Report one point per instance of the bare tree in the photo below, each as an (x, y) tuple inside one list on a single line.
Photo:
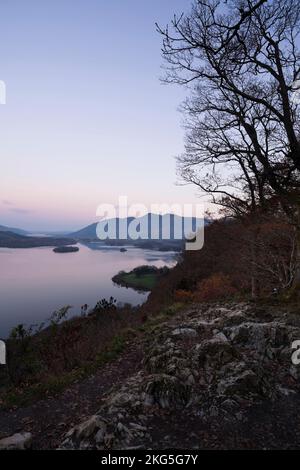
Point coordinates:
[(240, 61)]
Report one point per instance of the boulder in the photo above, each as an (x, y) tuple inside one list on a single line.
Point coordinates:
[(89, 427), (19, 441), (259, 336), (215, 361), (166, 391), (241, 384), (187, 332), (215, 352)]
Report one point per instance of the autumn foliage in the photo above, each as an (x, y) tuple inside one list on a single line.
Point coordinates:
[(216, 287), (243, 257)]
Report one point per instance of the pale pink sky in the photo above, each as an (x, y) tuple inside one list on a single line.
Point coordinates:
[(86, 118)]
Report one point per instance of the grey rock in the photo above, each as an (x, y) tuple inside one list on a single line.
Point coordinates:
[(241, 383), (100, 435), (189, 332), (87, 428), (215, 352), (167, 391), (19, 441), (231, 368)]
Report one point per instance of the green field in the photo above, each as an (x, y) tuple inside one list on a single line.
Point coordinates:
[(140, 278), (143, 282)]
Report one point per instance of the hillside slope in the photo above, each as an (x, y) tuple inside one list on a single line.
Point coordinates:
[(14, 240), (209, 377), (18, 231), (212, 369), (151, 226)]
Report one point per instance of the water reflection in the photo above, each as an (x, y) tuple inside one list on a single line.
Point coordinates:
[(35, 282)]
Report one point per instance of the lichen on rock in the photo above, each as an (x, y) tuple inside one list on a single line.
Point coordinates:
[(215, 360)]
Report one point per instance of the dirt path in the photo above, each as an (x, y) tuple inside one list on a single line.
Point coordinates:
[(264, 426), (254, 424), (48, 420)]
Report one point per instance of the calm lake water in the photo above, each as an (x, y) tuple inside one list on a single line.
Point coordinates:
[(35, 282)]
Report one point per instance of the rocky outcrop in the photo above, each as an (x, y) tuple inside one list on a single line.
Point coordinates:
[(208, 361), (19, 441)]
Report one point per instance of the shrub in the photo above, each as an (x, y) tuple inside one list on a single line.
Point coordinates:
[(183, 296), (104, 304), (217, 286)]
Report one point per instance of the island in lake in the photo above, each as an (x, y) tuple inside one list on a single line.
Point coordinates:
[(66, 249)]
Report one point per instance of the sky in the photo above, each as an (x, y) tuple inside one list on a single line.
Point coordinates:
[(86, 117)]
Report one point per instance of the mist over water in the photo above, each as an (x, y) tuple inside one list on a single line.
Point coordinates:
[(35, 282)]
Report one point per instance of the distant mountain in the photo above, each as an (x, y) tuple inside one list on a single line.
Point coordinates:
[(152, 227), (3, 228), (88, 233), (14, 240), (62, 233)]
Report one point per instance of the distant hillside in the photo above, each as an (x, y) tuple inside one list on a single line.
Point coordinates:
[(167, 227), (14, 240), (3, 228), (88, 232)]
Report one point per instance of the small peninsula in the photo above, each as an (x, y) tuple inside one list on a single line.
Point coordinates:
[(14, 240), (142, 278)]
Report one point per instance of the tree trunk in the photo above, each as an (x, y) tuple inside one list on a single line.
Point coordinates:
[(296, 282), (254, 287), (253, 249)]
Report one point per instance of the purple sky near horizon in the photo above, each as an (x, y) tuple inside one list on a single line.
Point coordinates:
[(86, 118)]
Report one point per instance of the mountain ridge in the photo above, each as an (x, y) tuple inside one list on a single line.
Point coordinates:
[(18, 231), (160, 232), (14, 240)]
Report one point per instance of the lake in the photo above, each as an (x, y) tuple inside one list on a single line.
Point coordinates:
[(35, 282)]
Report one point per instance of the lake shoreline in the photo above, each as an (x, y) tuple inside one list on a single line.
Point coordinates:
[(56, 281), (142, 278)]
